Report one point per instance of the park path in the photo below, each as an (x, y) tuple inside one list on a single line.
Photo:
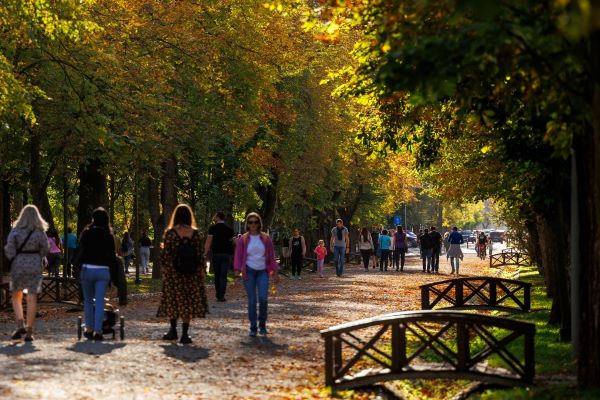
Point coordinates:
[(223, 362)]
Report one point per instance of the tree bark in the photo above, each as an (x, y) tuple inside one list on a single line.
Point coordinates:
[(268, 195), (5, 223), (92, 191), (152, 191), (39, 186), (587, 149), (168, 189)]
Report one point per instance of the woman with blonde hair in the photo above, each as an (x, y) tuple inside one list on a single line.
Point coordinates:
[(26, 246), (255, 261), (184, 295)]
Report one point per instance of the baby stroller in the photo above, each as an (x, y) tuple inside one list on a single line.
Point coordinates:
[(111, 315)]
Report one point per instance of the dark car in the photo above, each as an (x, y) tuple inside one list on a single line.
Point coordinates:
[(466, 235), (497, 236)]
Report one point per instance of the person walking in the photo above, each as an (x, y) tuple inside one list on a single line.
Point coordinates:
[(436, 239), (321, 252), (182, 267), (445, 241), (54, 252), (219, 246), (25, 248), (420, 247), (365, 245), (98, 261), (296, 252), (375, 238), (340, 245), (426, 250), (400, 248), (385, 243), (255, 261), (126, 250), (455, 253), (70, 246), (145, 244)]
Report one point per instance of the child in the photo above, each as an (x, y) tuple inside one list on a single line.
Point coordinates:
[(321, 252)]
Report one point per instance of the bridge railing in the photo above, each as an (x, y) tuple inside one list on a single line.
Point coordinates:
[(482, 292), (428, 345), (509, 256)]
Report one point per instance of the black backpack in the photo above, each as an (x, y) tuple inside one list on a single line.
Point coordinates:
[(186, 259)]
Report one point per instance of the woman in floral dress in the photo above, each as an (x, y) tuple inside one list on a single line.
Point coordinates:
[(184, 294)]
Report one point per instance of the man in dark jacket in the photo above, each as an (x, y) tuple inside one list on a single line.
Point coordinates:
[(426, 250), (436, 239)]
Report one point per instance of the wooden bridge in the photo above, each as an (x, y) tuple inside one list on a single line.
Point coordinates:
[(509, 256), (483, 292), (428, 345), (54, 290)]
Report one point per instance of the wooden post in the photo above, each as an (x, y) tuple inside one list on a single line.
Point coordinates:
[(398, 347), (462, 344), (458, 293), (337, 352), (493, 295), (329, 361), (425, 298), (527, 298), (529, 356)]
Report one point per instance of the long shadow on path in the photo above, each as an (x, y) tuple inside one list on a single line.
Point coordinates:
[(185, 353), (17, 349), (95, 348)]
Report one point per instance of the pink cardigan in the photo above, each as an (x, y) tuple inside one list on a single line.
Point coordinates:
[(241, 252)]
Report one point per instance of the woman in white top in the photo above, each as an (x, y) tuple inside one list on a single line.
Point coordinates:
[(255, 260)]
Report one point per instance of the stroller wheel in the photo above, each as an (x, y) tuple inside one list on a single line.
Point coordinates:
[(79, 328), (122, 328)]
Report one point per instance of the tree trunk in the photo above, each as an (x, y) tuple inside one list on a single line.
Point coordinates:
[(157, 223), (38, 185), (587, 149), (268, 195), (168, 189), (5, 221), (92, 192), (552, 225)]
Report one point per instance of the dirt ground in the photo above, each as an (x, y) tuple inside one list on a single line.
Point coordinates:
[(223, 362)]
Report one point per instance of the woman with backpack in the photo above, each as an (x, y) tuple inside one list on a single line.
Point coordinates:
[(184, 294), (296, 252), (255, 261), (25, 248), (98, 260)]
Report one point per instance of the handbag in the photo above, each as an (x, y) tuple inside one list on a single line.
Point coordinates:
[(19, 250)]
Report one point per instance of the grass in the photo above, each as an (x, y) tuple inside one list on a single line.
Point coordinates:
[(149, 285)]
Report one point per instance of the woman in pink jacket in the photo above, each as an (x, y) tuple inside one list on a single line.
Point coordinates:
[(255, 260)]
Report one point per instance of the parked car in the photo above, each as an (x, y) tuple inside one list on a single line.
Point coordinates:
[(472, 238), (466, 234), (412, 239), (498, 236)]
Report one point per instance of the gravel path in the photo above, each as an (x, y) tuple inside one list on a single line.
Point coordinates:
[(223, 362)]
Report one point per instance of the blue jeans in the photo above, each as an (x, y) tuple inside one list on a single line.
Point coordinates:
[(427, 254), (452, 263), (94, 282), (257, 281), (339, 253), (126, 262), (220, 263)]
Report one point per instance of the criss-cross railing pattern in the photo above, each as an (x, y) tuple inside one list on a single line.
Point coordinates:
[(60, 290), (429, 344), (509, 256), (482, 292)]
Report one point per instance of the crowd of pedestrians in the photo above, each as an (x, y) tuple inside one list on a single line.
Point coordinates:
[(94, 259)]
